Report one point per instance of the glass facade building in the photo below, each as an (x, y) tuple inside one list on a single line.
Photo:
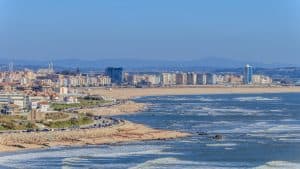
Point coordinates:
[(248, 73), (116, 74)]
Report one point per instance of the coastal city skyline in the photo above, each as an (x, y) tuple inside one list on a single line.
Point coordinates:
[(164, 84)]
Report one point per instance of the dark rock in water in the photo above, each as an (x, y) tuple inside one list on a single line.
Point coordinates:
[(218, 137), (201, 133)]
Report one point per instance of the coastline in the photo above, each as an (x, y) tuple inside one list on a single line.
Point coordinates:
[(125, 132)]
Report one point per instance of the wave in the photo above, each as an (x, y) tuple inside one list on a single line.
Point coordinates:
[(175, 163), (28, 159), (276, 110), (205, 99), (221, 145), (166, 163), (279, 165), (258, 98), (231, 111), (285, 128)]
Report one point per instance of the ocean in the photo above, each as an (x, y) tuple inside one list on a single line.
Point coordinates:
[(258, 131)]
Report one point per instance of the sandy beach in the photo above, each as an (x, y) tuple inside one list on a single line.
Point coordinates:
[(129, 107), (129, 93), (125, 132)]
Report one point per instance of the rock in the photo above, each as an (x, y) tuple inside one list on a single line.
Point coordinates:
[(201, 133), (218, 137)]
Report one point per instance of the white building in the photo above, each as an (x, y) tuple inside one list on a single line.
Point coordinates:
[(261, 79), (104, 80), (43, 106), (20, 100), (168, 79), (63, 90)]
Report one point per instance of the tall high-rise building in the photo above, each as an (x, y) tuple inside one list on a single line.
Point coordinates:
[(168, 78), (181, 78), (116, 74), (201, 79), (50, 68), (11, 67), (191, 78), (248, 73), (211, 79)]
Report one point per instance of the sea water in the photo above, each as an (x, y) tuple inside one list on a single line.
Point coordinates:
[(258, 130)]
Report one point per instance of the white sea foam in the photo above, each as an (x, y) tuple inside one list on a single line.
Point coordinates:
[(290, 140), (258, 98), (279, 165), (262, 129), (222, 122), (221, 145), (284, 128), (175, 163), (206, 99), (230, 111), (166, 163), (288, 120), (18, 160), (276, 110), (228, 148)]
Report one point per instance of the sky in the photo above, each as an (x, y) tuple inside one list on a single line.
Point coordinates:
[(260, 30)]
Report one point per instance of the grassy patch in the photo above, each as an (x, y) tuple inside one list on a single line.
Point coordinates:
[(56, 116), (8, 122), (2, 128), (82, 120), (83, 104)]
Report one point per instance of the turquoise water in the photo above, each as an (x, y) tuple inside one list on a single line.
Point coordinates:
[(259, 131)]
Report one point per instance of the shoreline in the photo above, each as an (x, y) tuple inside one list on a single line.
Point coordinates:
[(123, 132), (131, 93), (126, 132)]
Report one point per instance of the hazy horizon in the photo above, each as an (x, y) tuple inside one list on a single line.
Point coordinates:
[(266, 32)]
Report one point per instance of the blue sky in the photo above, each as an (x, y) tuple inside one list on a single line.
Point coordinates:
[(261, 30)]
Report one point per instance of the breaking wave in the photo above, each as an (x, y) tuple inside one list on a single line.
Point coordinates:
[(258, 98), (174, 163), (279, 165)]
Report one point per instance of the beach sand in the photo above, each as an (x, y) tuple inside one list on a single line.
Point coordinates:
[(129, 93), (129, 107), (125, 132)]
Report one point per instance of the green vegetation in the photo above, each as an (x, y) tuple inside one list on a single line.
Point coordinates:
[(83, 103), (56, 116), (2, 128), (60, 106), (73, 122), (54, 120), (15, 123), (20, 122)]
